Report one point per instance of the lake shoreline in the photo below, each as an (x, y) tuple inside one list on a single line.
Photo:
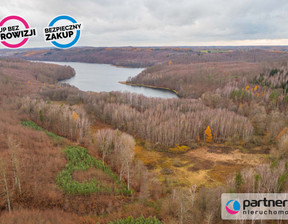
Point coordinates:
[(152, 87), (85, 62), (105, 78)]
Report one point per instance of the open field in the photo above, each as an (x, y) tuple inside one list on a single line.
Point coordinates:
[(207, 165)]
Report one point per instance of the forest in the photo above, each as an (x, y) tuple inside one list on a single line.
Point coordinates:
[(69, 156), (148, 56)]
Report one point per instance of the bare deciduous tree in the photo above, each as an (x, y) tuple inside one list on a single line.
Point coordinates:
[(125, 145), (14, 155), (184, 199), (167, 122), (104, 140), (5, 182), (62, 120)]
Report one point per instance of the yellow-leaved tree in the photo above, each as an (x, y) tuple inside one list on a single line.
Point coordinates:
[(75, 116), (208, 134)]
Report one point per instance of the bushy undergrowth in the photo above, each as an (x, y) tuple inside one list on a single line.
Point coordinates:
[(34, 126), (140, 220), (79, 159), (179, 149)]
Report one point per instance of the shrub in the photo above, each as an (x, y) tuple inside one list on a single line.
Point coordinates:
[(179, 149), (140, 220), (241, 95), (79, 159), (34, 126)]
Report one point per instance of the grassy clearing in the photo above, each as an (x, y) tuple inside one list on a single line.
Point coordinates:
[(208, 165), (79, 159), (34, 126), (176, 163)]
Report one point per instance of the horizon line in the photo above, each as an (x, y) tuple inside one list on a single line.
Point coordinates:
[(152, 46)]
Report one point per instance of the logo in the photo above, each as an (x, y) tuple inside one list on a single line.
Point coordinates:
[(63, 31), (234, 207), (15, 31), (254, 206)]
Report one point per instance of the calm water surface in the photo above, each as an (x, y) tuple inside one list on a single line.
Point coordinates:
[(104, 77)]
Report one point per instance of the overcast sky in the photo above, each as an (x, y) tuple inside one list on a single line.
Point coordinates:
[(161, 22)]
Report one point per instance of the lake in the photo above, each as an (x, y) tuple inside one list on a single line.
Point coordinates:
[(104, 77)]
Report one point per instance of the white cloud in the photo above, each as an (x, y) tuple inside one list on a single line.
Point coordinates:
[(161, 22)]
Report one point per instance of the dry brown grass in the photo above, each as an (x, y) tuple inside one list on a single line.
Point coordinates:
[(97, 125), (25, 216), (40, 161), (208, 166), (91, 173)]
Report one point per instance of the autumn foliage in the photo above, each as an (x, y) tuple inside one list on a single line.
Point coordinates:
[(56, 168), (60, 119), (208, 134), (166, 122)]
